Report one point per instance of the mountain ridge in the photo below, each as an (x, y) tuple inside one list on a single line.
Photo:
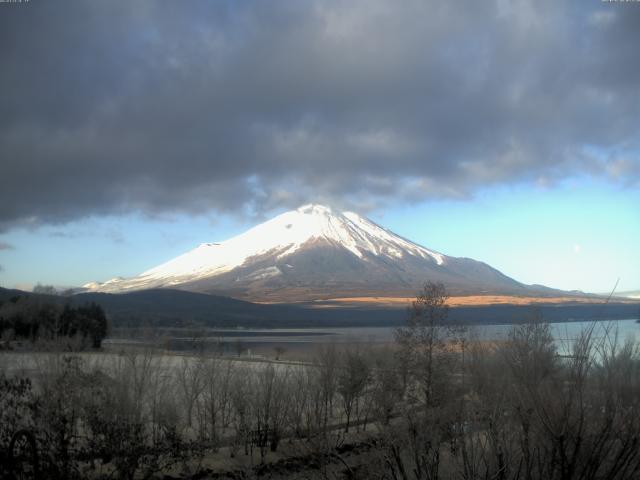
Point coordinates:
[(177, 308), (315, 252)]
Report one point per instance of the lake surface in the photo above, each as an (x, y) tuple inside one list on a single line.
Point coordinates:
[(301, 338), (561, 331)]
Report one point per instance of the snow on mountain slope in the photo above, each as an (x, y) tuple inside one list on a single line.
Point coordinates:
[(283, 235), (313, 251)]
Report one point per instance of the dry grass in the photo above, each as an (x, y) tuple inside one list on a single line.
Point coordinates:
[(470, 300)]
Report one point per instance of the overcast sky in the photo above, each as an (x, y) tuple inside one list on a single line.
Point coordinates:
[(166, 123)]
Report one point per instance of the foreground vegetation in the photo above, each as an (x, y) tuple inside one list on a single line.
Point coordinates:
[(438, 405)]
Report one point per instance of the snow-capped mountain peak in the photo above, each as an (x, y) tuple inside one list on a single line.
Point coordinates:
[(312, 247)]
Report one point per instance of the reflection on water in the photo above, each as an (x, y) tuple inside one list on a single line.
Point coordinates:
[(564, 333)]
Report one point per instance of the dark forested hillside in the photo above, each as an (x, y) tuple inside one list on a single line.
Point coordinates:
[(164, 307), (33, 317)]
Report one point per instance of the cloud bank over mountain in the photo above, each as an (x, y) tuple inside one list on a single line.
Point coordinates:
[(161, 107)]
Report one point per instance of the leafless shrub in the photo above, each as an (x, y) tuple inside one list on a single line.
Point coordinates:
[(353, 379)]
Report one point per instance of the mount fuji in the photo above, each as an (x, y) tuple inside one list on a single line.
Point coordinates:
[(316, 253)]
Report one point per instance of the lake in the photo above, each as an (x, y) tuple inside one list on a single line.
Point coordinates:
[(298, 339)]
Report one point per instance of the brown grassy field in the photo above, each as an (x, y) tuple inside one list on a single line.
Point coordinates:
[(460, 301)]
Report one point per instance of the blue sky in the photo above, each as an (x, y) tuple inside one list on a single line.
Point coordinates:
[(505, 131), (580, 235)]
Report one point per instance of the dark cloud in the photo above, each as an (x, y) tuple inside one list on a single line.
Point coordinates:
[(109, 107)]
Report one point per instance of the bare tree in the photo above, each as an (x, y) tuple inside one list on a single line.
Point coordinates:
[(387, 387), (270, 402), (430, 415), (327, 378), (190, 377), (240, 394), (299, 407), (216, 398), (424, 344), (353, 378)]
